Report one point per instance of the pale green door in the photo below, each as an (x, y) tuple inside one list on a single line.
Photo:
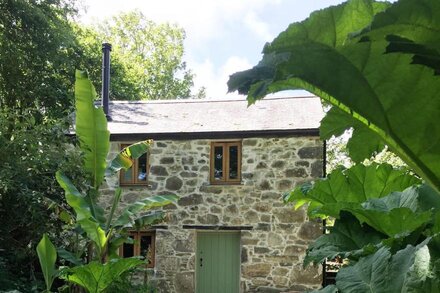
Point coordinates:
[(218, 262)]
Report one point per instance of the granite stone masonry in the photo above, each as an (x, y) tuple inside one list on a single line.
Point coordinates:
[(274, 241)]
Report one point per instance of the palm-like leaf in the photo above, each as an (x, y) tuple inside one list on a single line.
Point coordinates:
[(84, 215), (130, 215), (91, 129), (124, 159)]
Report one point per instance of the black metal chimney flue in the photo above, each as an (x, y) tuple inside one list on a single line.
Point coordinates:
[(106, 48)]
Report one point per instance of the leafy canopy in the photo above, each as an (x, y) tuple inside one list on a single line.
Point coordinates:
[(146, 57)]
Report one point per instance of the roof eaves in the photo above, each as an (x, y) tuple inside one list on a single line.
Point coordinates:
[(214, 135)]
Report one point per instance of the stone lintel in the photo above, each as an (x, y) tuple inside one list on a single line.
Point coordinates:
[(217, 227)]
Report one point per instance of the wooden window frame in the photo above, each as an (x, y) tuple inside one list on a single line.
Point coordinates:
[(136, 235), (225, 178), (134, 172)]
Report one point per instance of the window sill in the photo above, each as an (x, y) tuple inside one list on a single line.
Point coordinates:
[(135, 185), (225, 183)]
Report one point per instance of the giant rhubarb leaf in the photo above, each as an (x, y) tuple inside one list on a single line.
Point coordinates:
[(348, 239), (348, 188), (409, 270), (394, 99), (96, 277)]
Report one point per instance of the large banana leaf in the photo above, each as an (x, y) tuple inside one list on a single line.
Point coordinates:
[(130, 215), (124, 160), (395, 99), (84, 215), (91, 129)]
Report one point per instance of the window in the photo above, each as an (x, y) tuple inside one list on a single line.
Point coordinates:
[(225, 162), (137, 174), (143, 246)]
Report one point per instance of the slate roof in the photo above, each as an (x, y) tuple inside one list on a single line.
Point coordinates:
[(169, 118)]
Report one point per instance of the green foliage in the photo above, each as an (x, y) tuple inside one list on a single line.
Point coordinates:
[(98, 237), (346, 188), (123, 160), (37, 61), (31, 202), (47, 255), (36, 46), (127, 283), (96, 277), (91, 129), (376, 63), (348, 239)]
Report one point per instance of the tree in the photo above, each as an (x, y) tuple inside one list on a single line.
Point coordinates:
[(36, 43), (36, 81), (376, 63), (147, 58)]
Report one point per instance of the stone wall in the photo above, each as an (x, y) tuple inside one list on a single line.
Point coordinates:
[(273, 250)]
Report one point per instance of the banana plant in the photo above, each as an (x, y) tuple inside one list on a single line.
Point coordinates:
[(102, 232)]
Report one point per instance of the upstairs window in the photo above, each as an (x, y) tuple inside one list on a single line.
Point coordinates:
[(143, 246), (137, 174), (225, 162)]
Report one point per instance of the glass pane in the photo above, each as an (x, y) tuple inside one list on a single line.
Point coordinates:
[(128, 250), (142, 168), (233, 162), (146, 247), (218, 163), (127, 176)]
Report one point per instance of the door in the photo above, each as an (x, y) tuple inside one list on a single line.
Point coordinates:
[(218, 262)]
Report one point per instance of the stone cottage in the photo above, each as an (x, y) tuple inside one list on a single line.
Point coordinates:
[(230, 165)]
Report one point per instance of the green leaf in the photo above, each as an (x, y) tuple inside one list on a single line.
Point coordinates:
[(69, 256), (124, 160), (394, 222), (410, 27), (418, 198), (131, 213), (91, 129), (96, 277), (115, 203), (47, 256), (83, 210), (383, 272), (148, 219), (399, 212), (347, 239), (347, 188)]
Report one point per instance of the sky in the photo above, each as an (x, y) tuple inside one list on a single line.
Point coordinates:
[(222, 36)]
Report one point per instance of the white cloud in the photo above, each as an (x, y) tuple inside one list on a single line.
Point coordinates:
[(215, 79), (260, 28), (201, 19)]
